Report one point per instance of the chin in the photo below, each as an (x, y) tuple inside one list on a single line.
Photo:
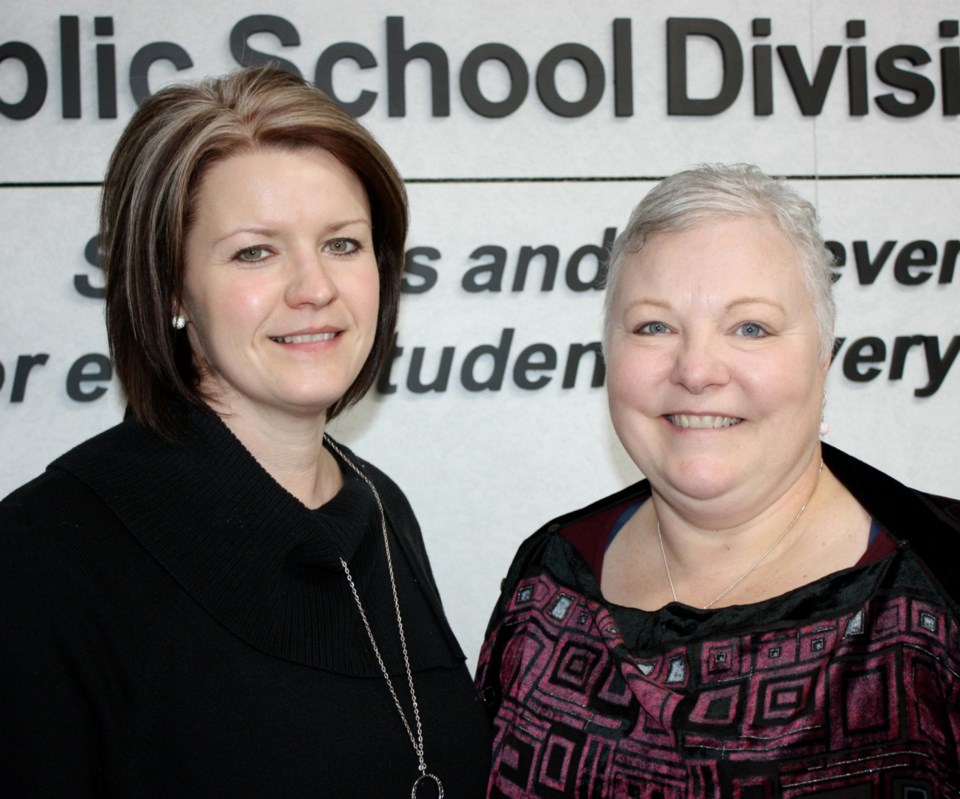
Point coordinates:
[(700, 479), (320, 394), (311, 406)]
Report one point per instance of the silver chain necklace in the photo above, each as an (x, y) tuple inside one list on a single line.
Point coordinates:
[(415, 740), (748, 572)]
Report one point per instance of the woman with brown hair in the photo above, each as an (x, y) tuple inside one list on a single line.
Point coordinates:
[(215, 598)]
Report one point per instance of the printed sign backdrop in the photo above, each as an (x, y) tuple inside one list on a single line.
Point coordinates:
[(526, 132)]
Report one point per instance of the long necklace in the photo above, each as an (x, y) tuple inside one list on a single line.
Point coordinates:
[(748, 572), (415, 740)]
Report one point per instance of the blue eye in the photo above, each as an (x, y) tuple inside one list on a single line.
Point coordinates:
[(751, 330), (652, 329)]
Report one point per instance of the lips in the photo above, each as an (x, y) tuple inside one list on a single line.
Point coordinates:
[(304, 338), (702, 422)]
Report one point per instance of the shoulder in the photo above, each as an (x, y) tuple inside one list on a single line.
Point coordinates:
[(589, 525), (60, 525), (396, 507), (580, 530), (549, 573), (69, 494), (925, 524), (395, 502), (56, 500), (904, 511), (67, 563), (390, 492), (57, 511), (91, 449)]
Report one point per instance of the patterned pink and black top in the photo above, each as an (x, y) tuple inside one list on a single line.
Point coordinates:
[(846, 687)]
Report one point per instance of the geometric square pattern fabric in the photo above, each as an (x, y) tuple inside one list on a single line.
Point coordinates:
[(864, 701)]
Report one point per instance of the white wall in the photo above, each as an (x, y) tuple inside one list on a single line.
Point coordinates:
[(483, 469)]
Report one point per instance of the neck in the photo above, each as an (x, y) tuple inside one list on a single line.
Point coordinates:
[(747, 508), (290, 449), (714, 556)]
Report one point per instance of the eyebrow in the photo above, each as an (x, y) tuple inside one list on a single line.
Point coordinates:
[(729, 307), (754, 300), (269, 231), (644, 301)]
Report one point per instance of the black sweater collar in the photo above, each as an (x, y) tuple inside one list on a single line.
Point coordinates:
[(258, 560)]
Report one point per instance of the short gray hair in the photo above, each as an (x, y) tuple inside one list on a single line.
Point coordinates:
[(709, 191)]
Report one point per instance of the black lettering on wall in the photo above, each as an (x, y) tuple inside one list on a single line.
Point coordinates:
[(247, 56), (323, 76), (146, 57), (36, 91), (399, 57), (593, 73), (90, 368), (470, 80), (679, 102), (81, 283)]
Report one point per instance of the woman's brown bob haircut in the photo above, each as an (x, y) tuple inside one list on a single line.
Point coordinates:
[(147, 209)]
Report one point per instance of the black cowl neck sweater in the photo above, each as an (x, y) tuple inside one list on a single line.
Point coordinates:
[(174, 623)]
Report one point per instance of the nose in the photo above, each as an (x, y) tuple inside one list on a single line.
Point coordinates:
[(311, 282), (699, 363)]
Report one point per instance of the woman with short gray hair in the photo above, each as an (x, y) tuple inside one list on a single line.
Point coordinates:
[(763, 615)]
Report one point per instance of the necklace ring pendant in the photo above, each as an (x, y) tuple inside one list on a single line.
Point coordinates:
[(425, 777)]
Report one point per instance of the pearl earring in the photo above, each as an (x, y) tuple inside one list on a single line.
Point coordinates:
[(179, 322)]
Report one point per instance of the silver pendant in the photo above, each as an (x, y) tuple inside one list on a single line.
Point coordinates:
[(421, 779)]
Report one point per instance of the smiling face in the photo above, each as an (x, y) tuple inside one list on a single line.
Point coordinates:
[(281, 288), (714, 381)]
